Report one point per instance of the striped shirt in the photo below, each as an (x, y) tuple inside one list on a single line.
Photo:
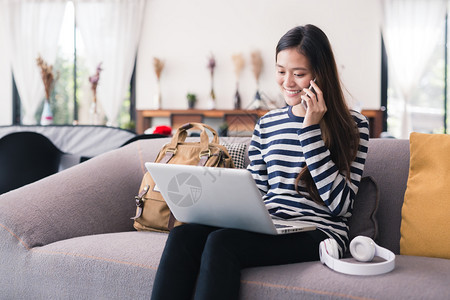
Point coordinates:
[(280, 148)]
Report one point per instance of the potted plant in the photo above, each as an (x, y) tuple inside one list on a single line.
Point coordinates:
[(223, 129), (192, 99)]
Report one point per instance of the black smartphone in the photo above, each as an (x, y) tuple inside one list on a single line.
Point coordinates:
[(310, 88)]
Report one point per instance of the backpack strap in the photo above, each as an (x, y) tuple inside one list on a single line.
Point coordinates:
[(140, 202), (168, 155), (204, 156)]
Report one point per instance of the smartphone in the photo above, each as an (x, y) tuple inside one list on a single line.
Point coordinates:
[(310, 88)]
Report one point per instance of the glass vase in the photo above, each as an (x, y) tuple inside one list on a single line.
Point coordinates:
[(212, 99), (237, 100), (257, 101), (157, 103)]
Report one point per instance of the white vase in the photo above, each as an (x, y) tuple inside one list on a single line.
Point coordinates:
[(47, 116), (94, 116)]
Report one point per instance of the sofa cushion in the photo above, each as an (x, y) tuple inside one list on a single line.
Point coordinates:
[(363, 221), (412, 278), (426, 208), (118, 265)]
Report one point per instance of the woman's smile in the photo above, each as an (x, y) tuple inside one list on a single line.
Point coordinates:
[(292, 92)]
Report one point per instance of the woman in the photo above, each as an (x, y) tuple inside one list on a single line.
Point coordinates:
[(307, 158)]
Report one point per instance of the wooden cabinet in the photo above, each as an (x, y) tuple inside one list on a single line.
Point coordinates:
[(375, 117), (238, 120)]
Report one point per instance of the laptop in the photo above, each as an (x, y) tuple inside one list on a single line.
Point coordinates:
[(220, 197)]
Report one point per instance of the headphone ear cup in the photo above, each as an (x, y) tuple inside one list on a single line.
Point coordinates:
[(331, 247), (362, 248)]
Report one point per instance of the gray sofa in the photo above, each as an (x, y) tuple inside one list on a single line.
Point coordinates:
[(69, 236), (80, 140)]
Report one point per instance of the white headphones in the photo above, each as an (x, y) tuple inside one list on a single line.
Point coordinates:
[(362, 249)]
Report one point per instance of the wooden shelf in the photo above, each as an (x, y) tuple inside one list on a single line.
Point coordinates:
[(144, 117)]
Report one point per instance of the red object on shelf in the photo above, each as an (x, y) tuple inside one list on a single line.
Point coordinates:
[(163, 129)]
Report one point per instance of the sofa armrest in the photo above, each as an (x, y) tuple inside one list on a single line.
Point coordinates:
[(94, 197)]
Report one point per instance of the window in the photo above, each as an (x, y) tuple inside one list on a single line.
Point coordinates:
[(72, 96), (428, 104)]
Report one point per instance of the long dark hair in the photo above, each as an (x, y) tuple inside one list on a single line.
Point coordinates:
[(339, 131)]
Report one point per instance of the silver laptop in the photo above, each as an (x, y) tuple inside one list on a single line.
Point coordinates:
[(219, 197)]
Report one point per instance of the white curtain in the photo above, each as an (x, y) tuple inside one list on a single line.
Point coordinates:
[(110, 30), (34, 30), (411, 30), (5, 70)]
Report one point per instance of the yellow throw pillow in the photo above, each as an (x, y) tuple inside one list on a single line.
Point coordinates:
[(425, 227)]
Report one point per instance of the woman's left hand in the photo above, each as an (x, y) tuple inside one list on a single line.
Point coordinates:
[(316, 107)]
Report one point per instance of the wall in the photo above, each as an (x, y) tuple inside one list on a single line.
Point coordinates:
[(184, 33)]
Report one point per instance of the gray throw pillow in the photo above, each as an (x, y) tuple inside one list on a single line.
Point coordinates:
[(363, 221)]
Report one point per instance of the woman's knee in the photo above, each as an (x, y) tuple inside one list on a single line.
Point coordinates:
[(184, 229), (186, 234), (178, 234), (222, 243)]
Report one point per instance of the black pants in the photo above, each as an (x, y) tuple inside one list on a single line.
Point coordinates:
[(206, 261)]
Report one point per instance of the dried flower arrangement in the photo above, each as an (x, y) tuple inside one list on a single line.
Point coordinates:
[(47, 76), (94, 79), (158, 66), (239, 63), (211, 66), (257, 64)]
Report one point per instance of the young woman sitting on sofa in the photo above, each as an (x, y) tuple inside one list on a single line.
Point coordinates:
[(307, 158)]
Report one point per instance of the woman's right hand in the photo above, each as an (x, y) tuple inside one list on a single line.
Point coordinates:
[(315, 105)]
